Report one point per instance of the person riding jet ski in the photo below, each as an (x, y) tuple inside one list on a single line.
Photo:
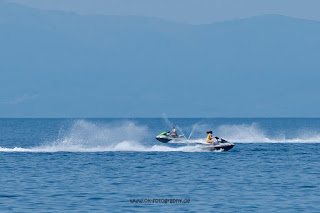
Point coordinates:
[(174, 133), (210, 138)]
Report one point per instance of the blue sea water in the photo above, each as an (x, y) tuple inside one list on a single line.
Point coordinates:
[(111, 165)]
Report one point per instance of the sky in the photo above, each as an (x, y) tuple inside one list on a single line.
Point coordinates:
[(186, 11)]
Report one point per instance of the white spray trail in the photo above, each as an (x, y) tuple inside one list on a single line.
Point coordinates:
[(201, 128), (165, 117), (86, 136), (245, 133)]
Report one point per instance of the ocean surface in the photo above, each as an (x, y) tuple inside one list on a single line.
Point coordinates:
[(117, 165)]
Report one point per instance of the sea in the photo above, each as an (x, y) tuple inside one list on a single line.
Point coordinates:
[(117, 165)]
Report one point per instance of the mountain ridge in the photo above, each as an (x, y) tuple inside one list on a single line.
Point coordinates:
[(90, 65)]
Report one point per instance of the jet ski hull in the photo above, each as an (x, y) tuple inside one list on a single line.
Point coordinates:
[(168, 139), (165, 138), (226, 146)]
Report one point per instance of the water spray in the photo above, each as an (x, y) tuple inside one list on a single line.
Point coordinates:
[(165, 117)]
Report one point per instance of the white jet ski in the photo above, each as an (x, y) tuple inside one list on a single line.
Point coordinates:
[(220, 144), (165, 137)]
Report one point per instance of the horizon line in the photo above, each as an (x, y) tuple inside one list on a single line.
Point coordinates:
[(159, 117)]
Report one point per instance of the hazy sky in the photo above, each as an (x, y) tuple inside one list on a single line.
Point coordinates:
[(189, 11), (58, 65)]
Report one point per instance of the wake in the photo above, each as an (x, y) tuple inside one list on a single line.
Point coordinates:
[(84, 136), (254, 134), (89, 137)]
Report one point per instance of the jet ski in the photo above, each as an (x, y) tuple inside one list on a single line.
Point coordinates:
[(220, 145), (165, 137)]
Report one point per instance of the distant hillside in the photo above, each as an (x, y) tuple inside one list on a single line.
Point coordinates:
[(58, 64)]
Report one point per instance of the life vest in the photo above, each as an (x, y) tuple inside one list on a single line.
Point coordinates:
[(208, 138)]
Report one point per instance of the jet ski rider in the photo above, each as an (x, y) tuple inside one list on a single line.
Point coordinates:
[(210, 138), (174, 132)]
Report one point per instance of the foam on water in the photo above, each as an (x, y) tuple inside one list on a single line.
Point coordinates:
[(85, 136), (125, 146), (89, 137), (254, 134), (251, 133)]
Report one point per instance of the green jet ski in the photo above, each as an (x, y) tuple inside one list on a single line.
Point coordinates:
[(165, 137)]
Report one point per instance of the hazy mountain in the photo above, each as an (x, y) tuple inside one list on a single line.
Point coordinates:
[(58, 64)]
